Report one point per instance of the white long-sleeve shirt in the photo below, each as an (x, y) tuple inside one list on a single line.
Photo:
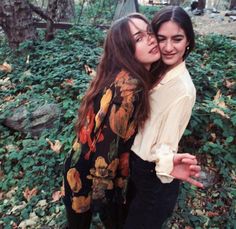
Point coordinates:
[(171, 103)]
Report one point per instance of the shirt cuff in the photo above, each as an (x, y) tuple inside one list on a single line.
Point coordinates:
[(164, 163)]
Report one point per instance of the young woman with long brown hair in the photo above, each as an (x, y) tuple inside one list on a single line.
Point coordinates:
[(115, 104)]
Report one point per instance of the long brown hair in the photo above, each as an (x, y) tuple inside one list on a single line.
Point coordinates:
[(119, 50)]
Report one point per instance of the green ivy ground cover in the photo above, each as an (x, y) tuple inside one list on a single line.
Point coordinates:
[(54, 72)]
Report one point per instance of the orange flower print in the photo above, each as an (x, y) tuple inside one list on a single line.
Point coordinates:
[(73, 178), (121, 182), (85, 132), (101, 167), (81, 204), (104, 105), (123, 75), (119, 120), (124, 164), (113, 167), (130, 131), (76, 145)]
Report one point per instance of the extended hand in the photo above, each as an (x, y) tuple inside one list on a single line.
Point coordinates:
[(186, 168)]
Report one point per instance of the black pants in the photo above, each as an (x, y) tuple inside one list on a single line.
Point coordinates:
[(114, 216), (153, 202)]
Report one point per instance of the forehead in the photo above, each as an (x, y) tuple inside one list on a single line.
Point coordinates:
[(170, 28), (137, 25)]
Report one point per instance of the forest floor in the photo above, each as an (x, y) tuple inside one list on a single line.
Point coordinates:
[(214, 23)]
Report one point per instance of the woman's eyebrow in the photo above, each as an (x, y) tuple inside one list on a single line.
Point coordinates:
[(175, 36), (137, 33)]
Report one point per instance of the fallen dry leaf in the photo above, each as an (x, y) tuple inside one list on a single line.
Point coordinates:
[(56, 196), (2, 195), (5, 82), (1, 174), (211, 214), (11, 193), (5, 67), (27, 59), (8, 98), (56, 147), (90, 71), (220, 104), (10, 148), (229, 83), (63, 189), (69, 81), (14, 225), (218, 95), (28, 194)]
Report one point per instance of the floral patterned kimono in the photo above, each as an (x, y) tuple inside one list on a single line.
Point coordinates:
[(97, 168)]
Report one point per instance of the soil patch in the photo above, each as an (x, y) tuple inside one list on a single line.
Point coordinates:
[(214, 23)]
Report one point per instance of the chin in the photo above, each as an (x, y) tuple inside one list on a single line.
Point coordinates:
[(169, 62)]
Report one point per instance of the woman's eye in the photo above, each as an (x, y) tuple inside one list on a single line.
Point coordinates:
[(177, 40), (160, 39), (137, 39)]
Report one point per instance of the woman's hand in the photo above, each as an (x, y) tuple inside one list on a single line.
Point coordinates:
[(186, 168)]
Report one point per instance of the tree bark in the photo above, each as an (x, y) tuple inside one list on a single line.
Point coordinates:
[(201, 4), (125, 7), (16, 21), (174, 2), (232, 5), (61, 10)]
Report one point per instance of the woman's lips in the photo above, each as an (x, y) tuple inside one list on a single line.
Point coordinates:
[(154, 50), (168, 56)]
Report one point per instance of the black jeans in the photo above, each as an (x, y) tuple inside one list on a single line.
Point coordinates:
[(152, 201)]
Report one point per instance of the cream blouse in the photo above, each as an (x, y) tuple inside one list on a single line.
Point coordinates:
[(171, 103)]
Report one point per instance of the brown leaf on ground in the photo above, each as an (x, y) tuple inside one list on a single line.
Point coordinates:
[(69, 81), (9, 98), (28, 194), (5, 67), (2, 195), (1, 174), (211, 214), (56, 196), (220, 104), (229, 83), (14, 225), (56, 147), (63, 189), (90, 71)]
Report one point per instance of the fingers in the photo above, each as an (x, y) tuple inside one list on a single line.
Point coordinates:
[(189, 161), (194, 182), (194, 170), (184, 157)]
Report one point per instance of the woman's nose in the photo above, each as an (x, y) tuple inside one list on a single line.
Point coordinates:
[(168, 46), (151, 38)]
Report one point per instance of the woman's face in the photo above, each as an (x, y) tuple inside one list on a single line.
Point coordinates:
[(146, 46), (172, 42)]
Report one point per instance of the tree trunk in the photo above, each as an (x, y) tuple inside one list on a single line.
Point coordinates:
[(16, 21), (61, 10), (201, 4), (232, 5), (174, 2), (125, 7)]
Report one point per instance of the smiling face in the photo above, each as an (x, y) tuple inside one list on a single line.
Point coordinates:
[(146, 46), (172, 42)]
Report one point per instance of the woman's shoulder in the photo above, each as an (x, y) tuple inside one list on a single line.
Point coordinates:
[(126, 81)]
